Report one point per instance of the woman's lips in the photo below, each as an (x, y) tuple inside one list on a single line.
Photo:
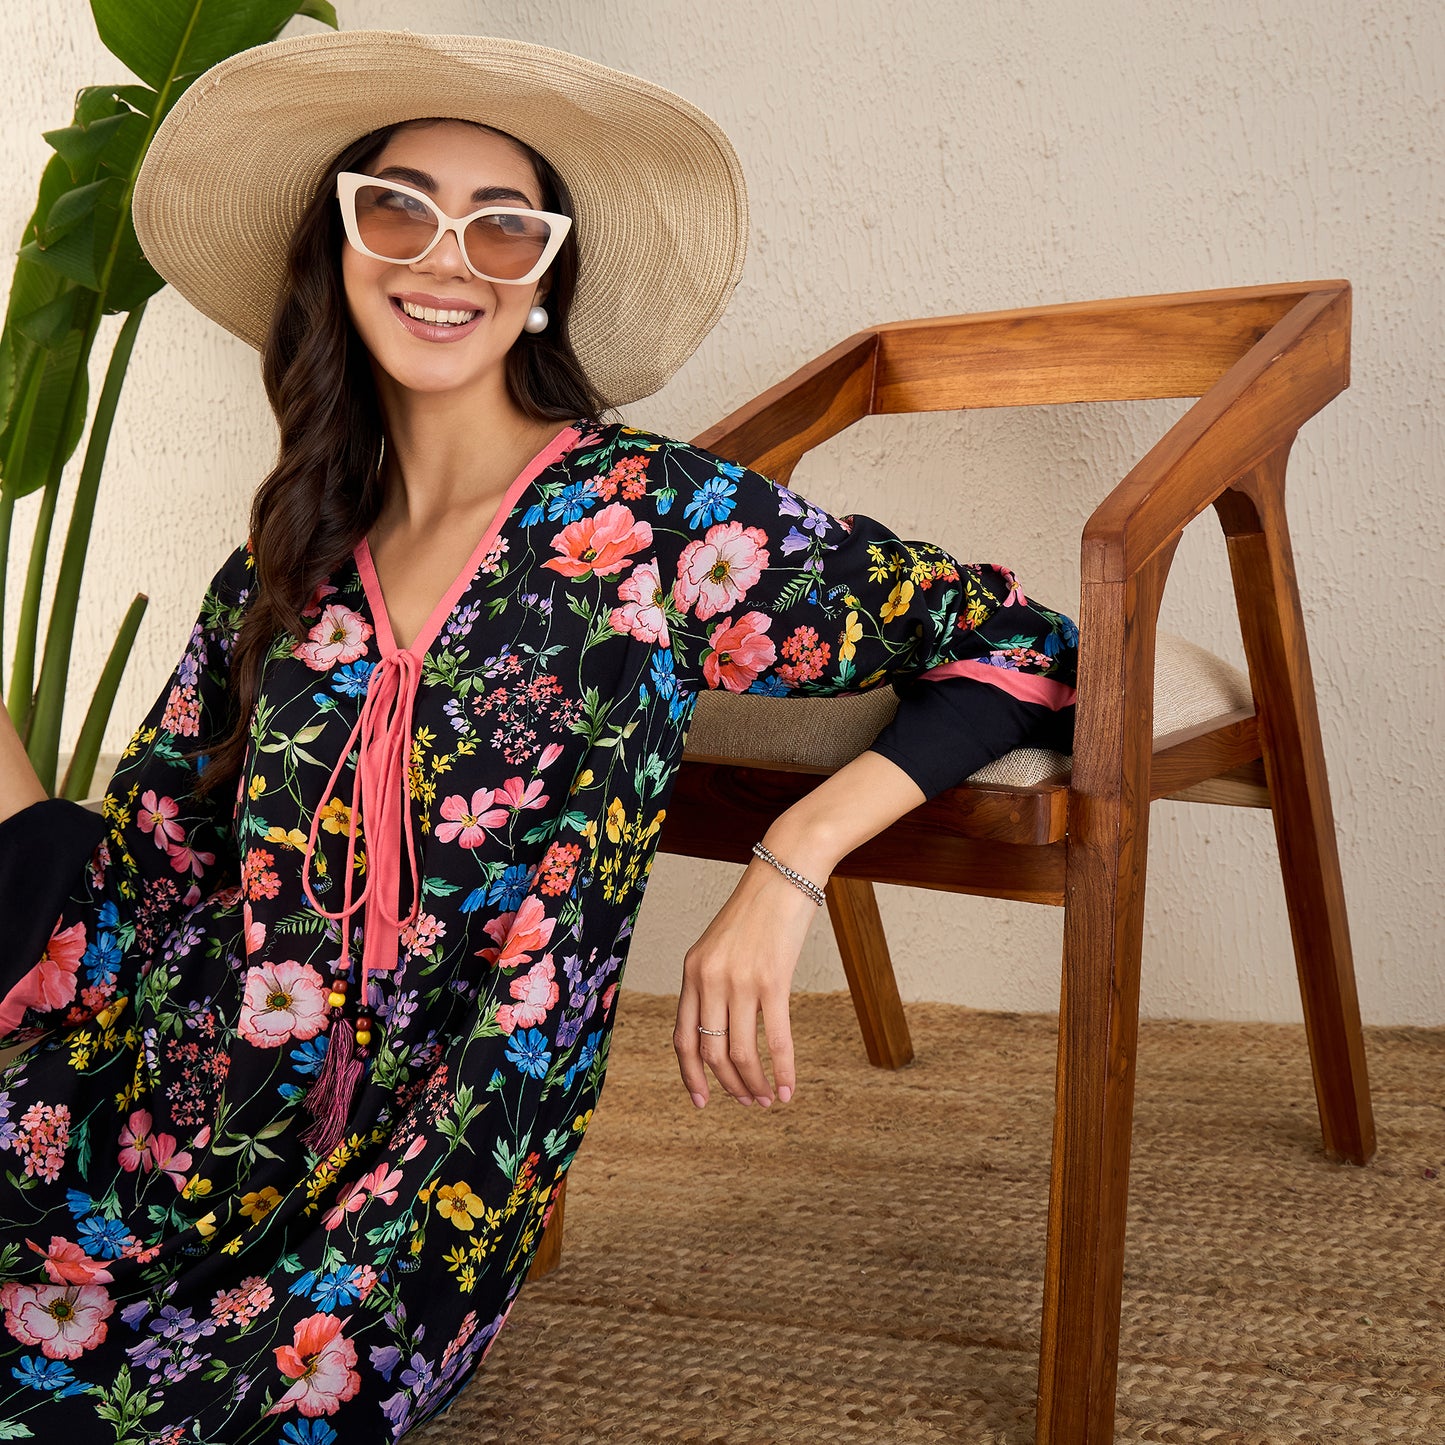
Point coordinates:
[(430, 331)]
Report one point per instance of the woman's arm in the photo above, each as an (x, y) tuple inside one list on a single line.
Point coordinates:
[(19, 783), (745, 959)]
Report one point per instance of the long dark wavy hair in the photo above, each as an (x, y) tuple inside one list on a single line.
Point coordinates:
[(325, 491)]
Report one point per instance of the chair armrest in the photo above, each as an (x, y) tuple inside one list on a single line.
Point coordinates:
[(1254, 409)]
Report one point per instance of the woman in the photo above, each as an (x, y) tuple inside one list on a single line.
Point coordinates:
[(326, 995)]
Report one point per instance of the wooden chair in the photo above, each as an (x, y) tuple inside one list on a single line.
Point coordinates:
[(1262, 360)]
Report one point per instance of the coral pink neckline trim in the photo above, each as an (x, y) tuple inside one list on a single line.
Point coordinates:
[(371, 584), (380, 795)]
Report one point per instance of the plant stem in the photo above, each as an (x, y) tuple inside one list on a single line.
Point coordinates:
[(43, 739), (81, 772)]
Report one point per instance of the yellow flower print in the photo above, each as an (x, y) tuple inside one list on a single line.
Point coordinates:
[(589, 833), (852, 633), (196, 1187), (898, 600), (582, 1120), (256, 788), (295, 838), (336, 816), (206, 1225), (584, 779), (616, 820), (232, 1245), (259, 1203), (457, 1203)]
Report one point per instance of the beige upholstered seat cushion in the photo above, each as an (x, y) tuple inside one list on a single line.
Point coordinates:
[(1191, 685)]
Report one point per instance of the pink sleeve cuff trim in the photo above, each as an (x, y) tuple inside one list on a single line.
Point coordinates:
[(1023, 685)]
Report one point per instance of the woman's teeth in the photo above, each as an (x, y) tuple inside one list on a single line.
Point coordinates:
[(437, 318)]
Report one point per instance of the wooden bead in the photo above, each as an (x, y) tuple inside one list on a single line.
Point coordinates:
[(336, 999), (363, 1037)]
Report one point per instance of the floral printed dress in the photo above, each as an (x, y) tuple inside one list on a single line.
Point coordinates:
[(459, 834)]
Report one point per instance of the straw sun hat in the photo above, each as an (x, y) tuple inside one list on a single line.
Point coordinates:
[(661, 208)]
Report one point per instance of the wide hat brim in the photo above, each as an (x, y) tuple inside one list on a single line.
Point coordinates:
[(661, 207)]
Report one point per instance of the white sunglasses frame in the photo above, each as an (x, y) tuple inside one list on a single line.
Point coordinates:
[(349, 182)]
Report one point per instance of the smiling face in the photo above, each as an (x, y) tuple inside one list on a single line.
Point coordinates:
[(449, 161)]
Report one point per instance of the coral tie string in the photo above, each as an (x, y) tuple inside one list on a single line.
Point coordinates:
[(380, 806)]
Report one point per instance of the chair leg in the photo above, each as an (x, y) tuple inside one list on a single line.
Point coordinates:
[(1272, 624), (549, 1248), (1098, 1012), (853, 909)]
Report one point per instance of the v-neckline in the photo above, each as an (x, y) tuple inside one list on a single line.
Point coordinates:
[(371, 585)]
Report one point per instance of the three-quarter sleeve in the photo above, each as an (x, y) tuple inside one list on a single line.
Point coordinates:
[(84, 896), (771, 593)]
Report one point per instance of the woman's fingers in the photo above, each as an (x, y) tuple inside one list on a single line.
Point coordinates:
[(778, 1030), (685, 1044), (742, 1042)]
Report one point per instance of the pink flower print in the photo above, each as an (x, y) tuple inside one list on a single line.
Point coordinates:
[(519, 934), (340, 636), (43, 1137), (715, 572), (157, 816), (602, 543), (67, 1263), (468, 825), (535, 991), (258, 878), (319, 1362), (250, 1299), (135, 1142), (643, 614), (381, 1183), (738, 652), (323, 591), (182, 716), (185, 858), (51, 983), (421, 934), (64, 1320), (167, 1161), (549, 755), (283, 1001), (519, 795), (254, 931)]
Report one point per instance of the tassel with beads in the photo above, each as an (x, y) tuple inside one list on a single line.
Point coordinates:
[(329, 1098)]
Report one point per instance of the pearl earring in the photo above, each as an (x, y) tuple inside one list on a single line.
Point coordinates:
[(536, 320)]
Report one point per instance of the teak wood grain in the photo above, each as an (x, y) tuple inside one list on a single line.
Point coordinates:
[(1261, 360)]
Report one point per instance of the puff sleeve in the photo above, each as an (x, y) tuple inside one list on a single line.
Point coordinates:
[(90, 896), (773, 594)]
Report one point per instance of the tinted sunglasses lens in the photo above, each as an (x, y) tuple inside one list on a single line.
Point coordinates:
[(392, 224), (507, 247)]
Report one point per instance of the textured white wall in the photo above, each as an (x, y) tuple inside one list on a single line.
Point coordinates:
[(927, 158)]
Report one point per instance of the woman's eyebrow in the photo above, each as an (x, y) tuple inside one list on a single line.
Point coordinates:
[(481, 196)]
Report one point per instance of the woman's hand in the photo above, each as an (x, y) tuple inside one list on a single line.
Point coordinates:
[(743, 963), (745, 959)]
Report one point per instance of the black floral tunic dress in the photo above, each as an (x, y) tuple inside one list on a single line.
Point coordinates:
[(451, 838)]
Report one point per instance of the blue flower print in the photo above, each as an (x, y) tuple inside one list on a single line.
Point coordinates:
[(530, 1053), (352, 680), (770, 685), (569, 504), (37, 1373), (711, 502), (508, 891), (308, 1432), (103, 1238), (308, 1057)]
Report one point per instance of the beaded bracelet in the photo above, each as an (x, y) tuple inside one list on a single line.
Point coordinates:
[(806, 884)]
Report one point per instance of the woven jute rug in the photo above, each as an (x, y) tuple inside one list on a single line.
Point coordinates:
[(866, 1263)]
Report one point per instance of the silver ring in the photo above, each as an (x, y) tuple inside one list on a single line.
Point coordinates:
[(702, 1030)]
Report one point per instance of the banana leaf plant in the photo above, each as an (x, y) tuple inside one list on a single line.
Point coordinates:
[(79, 261)]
